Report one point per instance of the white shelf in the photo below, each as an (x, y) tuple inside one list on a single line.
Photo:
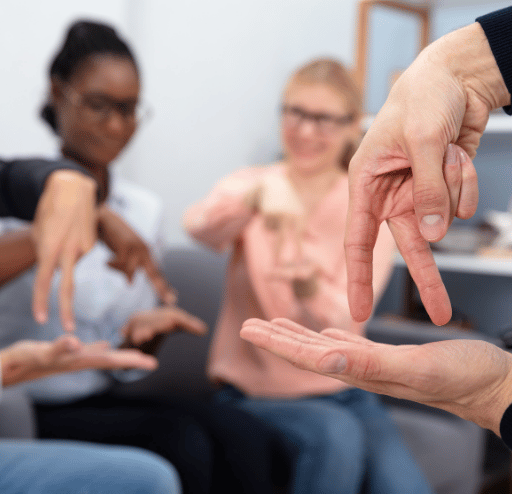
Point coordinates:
[(445, 3), (497, 124), (468, 264)]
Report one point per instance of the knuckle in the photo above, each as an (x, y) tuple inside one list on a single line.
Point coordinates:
[(366, 368), (429, 196)]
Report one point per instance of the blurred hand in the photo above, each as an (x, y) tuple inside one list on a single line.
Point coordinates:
[(397, 174), (64, 230), (145, 325), (27, 360), (294, 271), (131, 253), (470, 378)]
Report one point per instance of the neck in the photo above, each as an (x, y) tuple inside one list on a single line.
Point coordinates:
[(98, 172), (313, 185), (317, 182)]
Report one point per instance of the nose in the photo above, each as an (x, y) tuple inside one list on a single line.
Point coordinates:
[(307, 128), (115, 123)]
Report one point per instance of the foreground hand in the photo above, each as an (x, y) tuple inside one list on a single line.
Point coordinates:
[(144, 326), (64, 230), (470, 378), (131, 253), (27, 360), (397, 174)]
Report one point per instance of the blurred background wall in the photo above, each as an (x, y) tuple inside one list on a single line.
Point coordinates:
[(213, 74)]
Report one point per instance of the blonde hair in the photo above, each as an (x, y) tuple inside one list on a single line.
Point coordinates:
[(333, 73)]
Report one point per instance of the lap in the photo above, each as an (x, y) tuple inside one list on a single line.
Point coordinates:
[(63, 466)]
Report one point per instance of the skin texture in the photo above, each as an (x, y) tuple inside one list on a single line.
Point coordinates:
[(27, 360), (131, 252), (397, 174), (64, 229), (145, 325), (469, 378)]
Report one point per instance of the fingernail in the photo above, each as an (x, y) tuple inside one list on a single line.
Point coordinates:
[(463, 156), (41, 317), (451, 155), (432, 227), (70, 326), (334, 363)]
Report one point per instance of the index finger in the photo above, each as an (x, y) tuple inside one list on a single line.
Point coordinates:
[(360, 237), (68, 261), (42, 283), (188, 321), (114, 359), (166, 294)]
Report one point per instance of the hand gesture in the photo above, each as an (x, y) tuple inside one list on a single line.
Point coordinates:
[(65, 227), (145, 325), (131, 253), (398, 176), (27, 360), (470, 378)]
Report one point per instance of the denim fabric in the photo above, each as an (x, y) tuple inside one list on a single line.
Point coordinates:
[(64, 467), (339, 443)]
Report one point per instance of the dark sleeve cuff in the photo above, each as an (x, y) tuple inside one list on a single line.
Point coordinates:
[(22, 183), (506, 427), (498, 30)]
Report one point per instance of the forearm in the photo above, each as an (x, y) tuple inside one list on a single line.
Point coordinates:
[(17, 254), (22, 182), (466, 53), (217, 224)]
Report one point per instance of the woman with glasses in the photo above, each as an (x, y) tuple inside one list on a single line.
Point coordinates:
[(284, 224), (94, 109)]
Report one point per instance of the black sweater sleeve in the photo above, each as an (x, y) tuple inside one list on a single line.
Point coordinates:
[(506, 427), (498, 29), (22, 183)]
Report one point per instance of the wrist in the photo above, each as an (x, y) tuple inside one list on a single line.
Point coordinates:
[(468, 56), (497, 398)]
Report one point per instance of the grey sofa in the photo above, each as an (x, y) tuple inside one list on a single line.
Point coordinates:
[(449, 450)]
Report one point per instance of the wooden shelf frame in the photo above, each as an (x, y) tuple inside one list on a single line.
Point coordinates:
[(365, 8)]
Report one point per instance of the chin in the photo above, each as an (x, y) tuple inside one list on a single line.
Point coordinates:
[(310, 163)]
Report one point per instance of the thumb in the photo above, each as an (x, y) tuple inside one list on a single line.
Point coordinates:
[(430, 193)]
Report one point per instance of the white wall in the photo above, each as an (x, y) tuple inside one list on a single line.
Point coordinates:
[(212, 71), (30, 33)]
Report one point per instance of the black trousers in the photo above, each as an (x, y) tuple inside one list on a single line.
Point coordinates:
[(215, 448)]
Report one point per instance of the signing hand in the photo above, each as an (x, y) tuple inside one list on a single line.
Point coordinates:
[(145, 325), (64, 230), (131, 253), (397, 174), (470, 378), (27, 360)]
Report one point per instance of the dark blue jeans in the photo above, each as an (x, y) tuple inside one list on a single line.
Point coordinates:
[(337, 442)]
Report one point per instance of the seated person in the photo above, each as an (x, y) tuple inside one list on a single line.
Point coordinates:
[(285, 224), (48, 466), (94, 111), (61, 197)]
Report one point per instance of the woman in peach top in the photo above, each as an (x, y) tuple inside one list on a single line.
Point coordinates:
[(285, 225)]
